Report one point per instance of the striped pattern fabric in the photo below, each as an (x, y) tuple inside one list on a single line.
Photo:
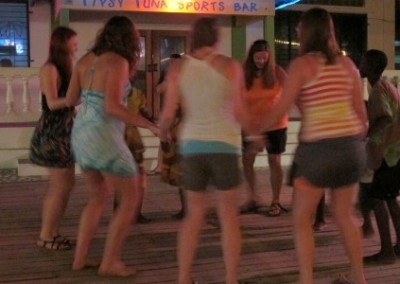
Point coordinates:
[(326, 106)]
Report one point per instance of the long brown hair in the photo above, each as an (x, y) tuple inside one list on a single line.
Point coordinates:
[(60, 55), (119, 35), (318, 34), (268, 74)]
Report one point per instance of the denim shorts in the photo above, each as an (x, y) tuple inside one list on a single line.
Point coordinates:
[(330, 163)]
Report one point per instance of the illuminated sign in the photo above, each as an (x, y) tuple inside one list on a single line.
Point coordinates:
[(220, 7), (280, 4)]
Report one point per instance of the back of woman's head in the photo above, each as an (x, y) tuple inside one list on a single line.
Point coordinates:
[(205, 32), (59, 52), (317, 34), (120, 36)]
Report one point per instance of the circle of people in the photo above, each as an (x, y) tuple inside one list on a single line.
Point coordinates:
[(216, 110)]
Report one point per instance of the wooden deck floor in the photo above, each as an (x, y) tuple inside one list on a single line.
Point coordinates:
[(268, 254)]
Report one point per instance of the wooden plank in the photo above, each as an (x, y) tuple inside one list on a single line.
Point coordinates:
[(268, 254)]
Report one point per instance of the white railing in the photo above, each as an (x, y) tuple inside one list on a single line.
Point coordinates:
[(19, 95), (20, 108)]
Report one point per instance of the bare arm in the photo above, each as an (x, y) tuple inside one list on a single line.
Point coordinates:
[(172, 95), (280, 74), (236, 78), (49, 78), (115, 82), (291, 87), (74, 89), (358, 98)]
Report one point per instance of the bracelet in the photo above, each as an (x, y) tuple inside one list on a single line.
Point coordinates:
[(253, 138)]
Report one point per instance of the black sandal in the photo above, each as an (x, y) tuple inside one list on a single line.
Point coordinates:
[(57, 243)]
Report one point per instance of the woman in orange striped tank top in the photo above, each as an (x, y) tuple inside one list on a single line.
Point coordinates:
[(327, 89)]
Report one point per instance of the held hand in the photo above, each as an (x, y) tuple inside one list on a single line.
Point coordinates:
[(257, 143), (155, 130), (165, 147)]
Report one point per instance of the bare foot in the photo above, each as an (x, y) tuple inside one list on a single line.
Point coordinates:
[(117, 269), (86, 263)]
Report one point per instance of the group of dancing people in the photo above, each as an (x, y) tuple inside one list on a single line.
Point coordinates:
[(215, 95)]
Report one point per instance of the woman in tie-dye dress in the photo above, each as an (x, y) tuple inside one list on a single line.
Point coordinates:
[(101, 81)]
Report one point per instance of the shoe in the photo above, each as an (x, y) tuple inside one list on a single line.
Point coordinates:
[(57, 243), (142, 220), (380, 258), (275, 210)]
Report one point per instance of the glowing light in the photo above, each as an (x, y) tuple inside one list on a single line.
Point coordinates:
[(280, 4), (286, 42)]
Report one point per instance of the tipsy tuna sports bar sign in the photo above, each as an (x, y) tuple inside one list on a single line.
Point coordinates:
[(219, 7)]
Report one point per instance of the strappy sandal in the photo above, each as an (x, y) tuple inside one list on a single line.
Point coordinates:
[(57, 243), (275, 210)]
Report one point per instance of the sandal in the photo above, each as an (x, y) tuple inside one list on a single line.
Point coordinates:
[(57, 243), (275, 210)]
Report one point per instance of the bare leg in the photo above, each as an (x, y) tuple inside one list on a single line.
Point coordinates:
[(248, 159), (319, 222), (56, 201), (342, 207), (386, 254), (158, 167), (231, 236), (305, 200), (140, 195), (188, 236), (120, 225), (394, 210), (182, 211), (276, 176), (366, 205), (90, 218)]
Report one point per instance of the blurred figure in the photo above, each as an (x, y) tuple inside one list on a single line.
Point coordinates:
[(160, 93), (383, 149), (6, 62), (137, 103), (101, 80), (327, 89), (209, 87), (50, 144), (171, 172), (264, 80)]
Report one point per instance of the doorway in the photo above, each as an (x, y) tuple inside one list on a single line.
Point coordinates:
[(157, 46)]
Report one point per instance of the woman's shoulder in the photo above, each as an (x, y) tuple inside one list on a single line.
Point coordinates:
[(48, 67)]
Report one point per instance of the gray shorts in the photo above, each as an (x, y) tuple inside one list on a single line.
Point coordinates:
[(330, 163), (218, 169)]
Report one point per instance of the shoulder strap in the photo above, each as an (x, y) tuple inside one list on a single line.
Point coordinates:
[(91, 73)]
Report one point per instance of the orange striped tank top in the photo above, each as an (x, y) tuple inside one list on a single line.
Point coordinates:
[(326, 104)]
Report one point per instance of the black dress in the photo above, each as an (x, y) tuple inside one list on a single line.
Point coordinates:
[(51, 141)]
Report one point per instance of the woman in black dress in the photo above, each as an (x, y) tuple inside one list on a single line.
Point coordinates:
[(50, 143)]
